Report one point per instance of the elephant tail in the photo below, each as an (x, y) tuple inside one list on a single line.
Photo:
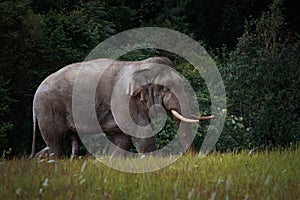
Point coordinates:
[(35, 127)]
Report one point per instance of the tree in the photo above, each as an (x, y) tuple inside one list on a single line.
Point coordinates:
[(262, 78), (5, 125), (218, 22), (20, 33)]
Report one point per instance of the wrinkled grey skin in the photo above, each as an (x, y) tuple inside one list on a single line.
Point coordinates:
[(52, 107)]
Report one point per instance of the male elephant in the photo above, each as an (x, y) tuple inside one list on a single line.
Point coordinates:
[(52, 104)]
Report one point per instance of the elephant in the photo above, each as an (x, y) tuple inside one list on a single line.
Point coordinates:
[(53, 116)]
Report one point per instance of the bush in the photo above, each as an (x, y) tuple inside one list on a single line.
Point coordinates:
[(5, 125), (262, 78)]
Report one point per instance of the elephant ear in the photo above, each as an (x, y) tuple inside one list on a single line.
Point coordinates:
[(137, 81)]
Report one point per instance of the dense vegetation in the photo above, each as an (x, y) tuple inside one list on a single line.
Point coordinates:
[(254, 43)]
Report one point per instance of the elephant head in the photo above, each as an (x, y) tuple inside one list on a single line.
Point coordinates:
[(153, 87)]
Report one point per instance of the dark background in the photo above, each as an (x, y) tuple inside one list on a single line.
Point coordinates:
[(255, 44)]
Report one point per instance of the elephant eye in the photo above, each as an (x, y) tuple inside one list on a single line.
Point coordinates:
[(165, 89)]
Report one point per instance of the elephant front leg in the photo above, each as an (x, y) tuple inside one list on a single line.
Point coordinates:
[(55, 148), (144, 145), (120, 143), (186, 137), (52, 152)]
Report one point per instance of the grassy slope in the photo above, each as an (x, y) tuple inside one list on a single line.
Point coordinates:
[(236, 176)]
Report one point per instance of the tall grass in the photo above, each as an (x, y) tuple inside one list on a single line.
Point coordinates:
[(273, 175)]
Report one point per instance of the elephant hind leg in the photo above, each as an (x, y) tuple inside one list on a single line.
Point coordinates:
[(53, 136), (51, 151), (74, 146), (41, 154), (56, 149)]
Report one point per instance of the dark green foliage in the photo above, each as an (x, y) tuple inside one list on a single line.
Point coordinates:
[(166, 135), (167, 13), (34, 44), (217, 22), (75, 33), (5, 125), (262, 81), (20, 33)]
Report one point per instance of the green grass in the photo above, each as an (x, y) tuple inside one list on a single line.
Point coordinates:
[(264, 175)]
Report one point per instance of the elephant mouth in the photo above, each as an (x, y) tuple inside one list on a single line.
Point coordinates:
[(196, 118)]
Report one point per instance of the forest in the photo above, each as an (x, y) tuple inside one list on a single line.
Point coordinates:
[(255, 45)]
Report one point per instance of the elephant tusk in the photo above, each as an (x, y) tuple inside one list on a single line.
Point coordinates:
[(178, 116), (203, 118)]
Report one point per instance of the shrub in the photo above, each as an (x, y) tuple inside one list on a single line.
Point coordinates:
[(262, 79)]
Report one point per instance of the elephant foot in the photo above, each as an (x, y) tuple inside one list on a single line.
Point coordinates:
[(41, 154), (191, 150), (116, 153), (144, 145), (51, 153), (32, 155), (120, 143)]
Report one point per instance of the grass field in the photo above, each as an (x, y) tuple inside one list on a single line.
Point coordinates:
[(274, 175)]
